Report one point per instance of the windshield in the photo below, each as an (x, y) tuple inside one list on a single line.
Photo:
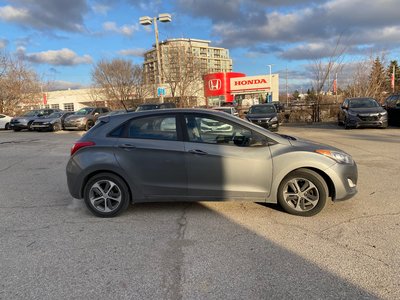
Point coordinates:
[(31, 113), (363, 103), (262, 109), (84, 111), (54, 115)]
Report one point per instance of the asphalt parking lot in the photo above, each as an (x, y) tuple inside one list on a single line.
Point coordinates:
[(53, 248)]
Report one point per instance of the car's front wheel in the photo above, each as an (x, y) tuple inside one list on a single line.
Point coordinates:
[(56, 127), (89, 124), (303, 192), (106, 195)]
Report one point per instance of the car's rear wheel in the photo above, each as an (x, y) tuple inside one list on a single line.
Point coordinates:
[(106, 195), (303, 193), (7, 126)]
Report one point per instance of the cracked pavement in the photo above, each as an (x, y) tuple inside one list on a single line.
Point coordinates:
[(53, 248)]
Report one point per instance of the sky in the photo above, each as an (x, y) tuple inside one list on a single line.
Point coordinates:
[(63, 39)]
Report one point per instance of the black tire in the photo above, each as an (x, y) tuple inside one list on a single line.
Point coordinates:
[(7, 127), (110, 206), (56, 127), (30, 126), (89, 124), (313, 193), (346, 124)]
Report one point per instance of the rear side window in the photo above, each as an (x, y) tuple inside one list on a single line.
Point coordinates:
[(155, 128)]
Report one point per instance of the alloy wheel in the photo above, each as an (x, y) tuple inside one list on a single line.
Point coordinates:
[(105, 196), (301, 194)]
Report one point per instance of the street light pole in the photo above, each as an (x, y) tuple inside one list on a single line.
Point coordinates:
[(148, 21), (270, 81)]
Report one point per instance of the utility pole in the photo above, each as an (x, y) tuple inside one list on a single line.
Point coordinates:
[(287, 91)]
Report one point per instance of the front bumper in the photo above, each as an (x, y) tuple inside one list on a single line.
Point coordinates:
[(74, 125), (39, 126), (368, 121), (265, 123), (344, 178), (19, 125)]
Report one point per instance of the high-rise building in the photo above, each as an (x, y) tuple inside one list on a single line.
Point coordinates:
[(185, 57)]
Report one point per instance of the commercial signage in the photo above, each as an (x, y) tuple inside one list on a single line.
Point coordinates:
[(250, 83), (217, 84), (161, 91)]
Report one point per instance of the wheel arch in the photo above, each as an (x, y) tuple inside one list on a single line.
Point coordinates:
[(94, 173), (331, 187)]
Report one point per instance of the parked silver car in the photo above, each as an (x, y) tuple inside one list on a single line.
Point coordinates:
[(168, 155)]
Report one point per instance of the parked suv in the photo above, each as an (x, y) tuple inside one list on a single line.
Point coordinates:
[(25, 121), (362, 112), (151, 106), (392, 105), (264, 115), (85, 118)]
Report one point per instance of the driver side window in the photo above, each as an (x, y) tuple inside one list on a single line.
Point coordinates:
[(213, 130)]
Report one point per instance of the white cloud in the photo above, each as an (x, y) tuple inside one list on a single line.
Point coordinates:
[(11, 14), (63, 57), (101, 9), (126, 30), (139, 52)]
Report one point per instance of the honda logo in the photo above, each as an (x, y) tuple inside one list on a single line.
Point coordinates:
[(214, 84)]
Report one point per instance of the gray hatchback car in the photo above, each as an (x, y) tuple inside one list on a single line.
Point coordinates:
[(199, 155)]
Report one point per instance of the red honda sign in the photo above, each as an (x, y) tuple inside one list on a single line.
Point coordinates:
[(218, 84)]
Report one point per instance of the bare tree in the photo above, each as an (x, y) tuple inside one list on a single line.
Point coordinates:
[(118, 81), (323, 69), (19, 85), (183, 73), (368, 78)]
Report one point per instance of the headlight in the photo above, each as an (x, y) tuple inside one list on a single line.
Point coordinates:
[(274, 119), (340, 157)]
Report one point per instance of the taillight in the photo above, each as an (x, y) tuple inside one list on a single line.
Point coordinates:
[(79, 145)]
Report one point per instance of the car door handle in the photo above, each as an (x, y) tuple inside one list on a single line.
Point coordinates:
[(199, 152), (127, 146)]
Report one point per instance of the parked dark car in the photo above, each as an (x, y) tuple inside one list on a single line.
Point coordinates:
[(362, 112), (25, 121), (85, 118), (53, 122), (392, 105), (151, 106), (199, 155), (264, 115)]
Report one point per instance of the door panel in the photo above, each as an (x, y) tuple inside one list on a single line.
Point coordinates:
[(225, 160), (154, 157)]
